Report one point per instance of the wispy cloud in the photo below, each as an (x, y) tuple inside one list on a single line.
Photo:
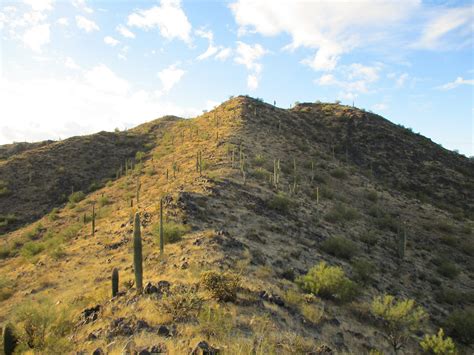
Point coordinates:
[(86, 24), (454, 84)]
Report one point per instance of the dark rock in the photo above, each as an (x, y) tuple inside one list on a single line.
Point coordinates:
[(142, 325), (158, 349), (144, 352), (323, 350), (163, 287), (98, 351), (164, 331), (150, 289), (93, 336), (335, 322), (203, 348), (90, 315), (184, 265), (271, 298), (119, 327)]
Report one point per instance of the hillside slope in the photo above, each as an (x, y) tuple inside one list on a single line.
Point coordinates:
[(234, 214)]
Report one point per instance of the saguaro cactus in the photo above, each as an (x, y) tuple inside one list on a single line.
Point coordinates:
[(115, 282), (137, 253), (162, 241), (93, 219), (402, 242), (10, 341)]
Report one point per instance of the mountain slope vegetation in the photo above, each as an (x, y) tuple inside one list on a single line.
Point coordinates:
[(285, 231)]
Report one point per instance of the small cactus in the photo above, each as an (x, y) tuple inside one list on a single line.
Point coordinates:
[(10, 341), (137, 253), (317, 195), (115, 282), (162, 241)]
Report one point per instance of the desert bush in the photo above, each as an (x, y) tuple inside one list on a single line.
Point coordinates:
[(371, 195), (172, 231), (312, 312), (215, 322), (438, 344), (76, 197), (41, 326), (6, 288), (181, 304), (363, 270), (341, 213), (450, 240), (329, 282), (326, 193), (280, 202), (31, 249), (340, 247), (369, 238), (53, 215), (446, 267), (260, 173), (259, 160), (460, 325), (223, 286), (400, 318), (104, 201), (339, 173), (454, 296), (34, 232), (5, 251), (139, 156)]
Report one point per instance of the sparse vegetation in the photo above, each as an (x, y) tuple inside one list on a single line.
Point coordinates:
[(341, 213), (76, 197), (181, 304), (172, 231), (460, 325), (280, 202)]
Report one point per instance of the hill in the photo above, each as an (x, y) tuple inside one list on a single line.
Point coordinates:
[(282, 228)]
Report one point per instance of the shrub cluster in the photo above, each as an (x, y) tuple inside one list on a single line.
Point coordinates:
[(223, 286)]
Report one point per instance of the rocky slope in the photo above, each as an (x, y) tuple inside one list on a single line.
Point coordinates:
[(349, 184)]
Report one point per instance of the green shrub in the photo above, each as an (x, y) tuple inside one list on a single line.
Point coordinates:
[(6, 288), (53, 215), (5, 251), (259, 160), (280, 202), (454, 296), (446, 267), (369, 238), (104, 201), (340, 247), (329, 282), (341, 213), (34, 233), (31, 249), (4, 191), (181, 304), (139, 156), (400, 318), (223, 286), (371, 195), (326, 193), (363, 270), (43, 327), (438, 344), (76, 197), (460, 325), (214, 322), (260, 173), (172, 231), (339, 173)]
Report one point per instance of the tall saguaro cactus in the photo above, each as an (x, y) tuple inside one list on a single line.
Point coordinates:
[(402, 242), (162, 241), (137, 253), (10, 341), (115, 282), (93, 219)]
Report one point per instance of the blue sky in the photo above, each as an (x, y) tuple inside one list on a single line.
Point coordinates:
[(81, 66)]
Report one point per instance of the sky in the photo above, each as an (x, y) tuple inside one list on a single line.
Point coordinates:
[(81, 66)]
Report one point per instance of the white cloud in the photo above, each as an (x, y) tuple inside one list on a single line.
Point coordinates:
[(40, 5), (71, 64), (104, 79), (331, 27), (125, 32), (83, 104), (85, 24), (219, 52), (444, 22), (249, 56), (252, 82), (459, 81), (169, 17), (357, 79), (81, 5), (111, 41), (36, 37), (224, 54), (170, 77), (63, 21), (380, 107), (400, 82)]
